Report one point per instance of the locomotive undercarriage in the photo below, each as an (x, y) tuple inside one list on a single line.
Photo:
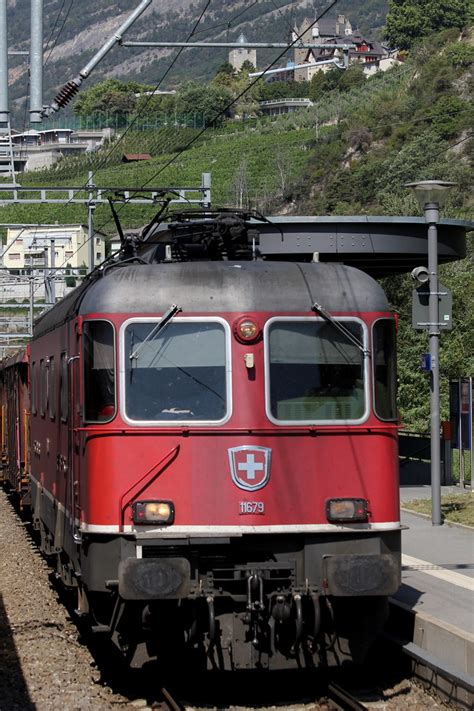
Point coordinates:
[(256, 601), (301, 631), (228, 610)]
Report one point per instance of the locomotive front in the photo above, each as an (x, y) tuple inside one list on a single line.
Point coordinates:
[(225, 479)]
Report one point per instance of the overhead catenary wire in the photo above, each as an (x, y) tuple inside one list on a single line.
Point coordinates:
[(98, 229), (152, 94), (55, 24), (290, 24), (86, 185), (113, 149), (231, 103), (229, 23), (160, 82), (223, 111), (228, 106), (444, 150), (59, 33)]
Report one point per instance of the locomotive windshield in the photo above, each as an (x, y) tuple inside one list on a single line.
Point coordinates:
[(314, 372), (178, 374)]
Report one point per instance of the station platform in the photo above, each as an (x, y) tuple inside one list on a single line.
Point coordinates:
[(438, 583)]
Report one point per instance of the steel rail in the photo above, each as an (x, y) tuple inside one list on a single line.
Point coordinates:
[(170, 703), (344, 699)]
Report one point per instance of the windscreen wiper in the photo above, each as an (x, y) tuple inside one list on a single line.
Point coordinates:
[(340, 327), (166, 318)]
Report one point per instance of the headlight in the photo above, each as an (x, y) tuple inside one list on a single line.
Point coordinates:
[(346, 510), (158, 512), (246, 330)]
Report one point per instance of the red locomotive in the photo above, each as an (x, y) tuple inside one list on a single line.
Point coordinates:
[(213, 443)]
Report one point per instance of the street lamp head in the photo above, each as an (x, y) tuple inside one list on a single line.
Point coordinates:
[(431, 192)]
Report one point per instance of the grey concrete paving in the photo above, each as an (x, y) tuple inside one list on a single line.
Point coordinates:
[(452, 549), (410, 493)]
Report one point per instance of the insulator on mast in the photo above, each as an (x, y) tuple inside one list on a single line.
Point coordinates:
[(67, 92)]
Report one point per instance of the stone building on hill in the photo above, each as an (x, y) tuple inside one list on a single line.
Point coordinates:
[(323, 31), (239, 55)]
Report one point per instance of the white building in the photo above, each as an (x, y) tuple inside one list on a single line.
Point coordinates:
[(35, 150), (30, 247)]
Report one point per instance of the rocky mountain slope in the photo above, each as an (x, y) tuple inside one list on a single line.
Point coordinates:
[(75, 30)]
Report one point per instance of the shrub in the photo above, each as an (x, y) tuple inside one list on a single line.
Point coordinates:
[(460, 55)]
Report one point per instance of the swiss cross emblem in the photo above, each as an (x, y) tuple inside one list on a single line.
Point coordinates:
[(250, 466)]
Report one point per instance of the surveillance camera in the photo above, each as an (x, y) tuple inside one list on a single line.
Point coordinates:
[(420, 274)]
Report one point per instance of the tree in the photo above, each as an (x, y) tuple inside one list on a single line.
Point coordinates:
[(410, 20), (351, 78), (283, 167), (316, 86), (246, 68), (269, 91), (111, 99), (240, 186), (207, 101), (322, 82), (225, 76), (226, 68)]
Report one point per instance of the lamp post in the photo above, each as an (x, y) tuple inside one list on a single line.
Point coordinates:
[(431, 195)]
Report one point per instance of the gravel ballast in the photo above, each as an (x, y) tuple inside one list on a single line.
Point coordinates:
[(43, 664)]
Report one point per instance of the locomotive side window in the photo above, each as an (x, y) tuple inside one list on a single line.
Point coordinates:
[(384, 357), (99, 371), (64, 388), (177, 374), (43, 394), (34, 386), (51, 398), (314, 372)]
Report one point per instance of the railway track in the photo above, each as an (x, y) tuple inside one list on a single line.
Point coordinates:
[(169, 703), (339, 700), (344, 699)]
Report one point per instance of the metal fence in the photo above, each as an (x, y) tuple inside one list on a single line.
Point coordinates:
[(415, 459), (122, 121)]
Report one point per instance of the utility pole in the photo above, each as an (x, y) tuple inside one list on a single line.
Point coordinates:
[(36, 61), (52, 271), (4, 104), (32, 300), (48, 300), (90, 223)]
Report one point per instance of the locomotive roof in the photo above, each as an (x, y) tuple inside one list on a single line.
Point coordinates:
[(220, 286)]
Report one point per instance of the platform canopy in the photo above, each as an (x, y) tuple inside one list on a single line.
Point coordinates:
[(377, 245)]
